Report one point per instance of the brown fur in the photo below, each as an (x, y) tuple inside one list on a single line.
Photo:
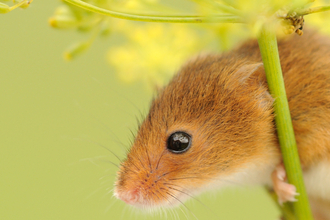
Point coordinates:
[(222, 101)]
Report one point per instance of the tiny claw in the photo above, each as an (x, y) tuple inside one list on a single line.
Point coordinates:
[(280, 171), (293, 200), (285, 191), (280, 201)]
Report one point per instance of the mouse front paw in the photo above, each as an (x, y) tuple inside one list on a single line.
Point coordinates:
[(286, 192)]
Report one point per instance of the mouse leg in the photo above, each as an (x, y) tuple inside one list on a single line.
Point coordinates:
[(285, 191)]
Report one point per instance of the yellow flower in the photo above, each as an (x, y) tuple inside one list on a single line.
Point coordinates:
[(319, 20), (154, 51), (132, 6)]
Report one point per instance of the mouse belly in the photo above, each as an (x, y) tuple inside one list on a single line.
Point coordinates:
[(317, 182), (320, 208)]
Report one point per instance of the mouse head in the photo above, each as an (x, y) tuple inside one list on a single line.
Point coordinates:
[(209, 127)]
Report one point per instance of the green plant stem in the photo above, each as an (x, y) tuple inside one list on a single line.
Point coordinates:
[(313, 10), (215, 5), (153, 18), (286, 209), (20, 4), (270, 56)]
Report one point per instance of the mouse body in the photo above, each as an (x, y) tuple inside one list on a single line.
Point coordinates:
[(213, 126)]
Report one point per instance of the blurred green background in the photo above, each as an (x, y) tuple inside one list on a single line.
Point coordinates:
[(55, 115)]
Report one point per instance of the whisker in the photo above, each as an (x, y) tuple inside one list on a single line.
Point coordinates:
[(193, 197), (92, 161), (132, 134), (93, 193), (182, 192), (131, 162), (164, 174), (104, 125), (168, 193), (160, 158), (156, 195), (184, 213), (198, 177), (175, 213), (176, 216), (117, 94), (123, 212), (145, 147), (108, 192), (112, 133), (140, 161), (104, 147), (106, 181), (107, 161), (107, 175), (110, 205)]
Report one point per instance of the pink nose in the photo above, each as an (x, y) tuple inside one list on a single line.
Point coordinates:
[(130, 197)]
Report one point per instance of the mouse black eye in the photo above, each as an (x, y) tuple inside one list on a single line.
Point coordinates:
[(178, 142)]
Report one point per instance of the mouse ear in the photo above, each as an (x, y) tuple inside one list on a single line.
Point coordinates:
[(254, 74), (249, 71)]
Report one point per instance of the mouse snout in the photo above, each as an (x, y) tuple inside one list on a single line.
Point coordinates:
[(139, 189), (130, 197)]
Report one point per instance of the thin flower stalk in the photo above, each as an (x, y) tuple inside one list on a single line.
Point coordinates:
[(270, 57), (154, 18)]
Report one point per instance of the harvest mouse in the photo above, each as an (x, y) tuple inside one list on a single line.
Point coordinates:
[(213, 126)]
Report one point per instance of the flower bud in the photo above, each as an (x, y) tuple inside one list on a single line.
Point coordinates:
[(63, 10), (4, 8), (105, 29), (63, 18), (86, 26), (75, 50), (26, 5), (63, 21)]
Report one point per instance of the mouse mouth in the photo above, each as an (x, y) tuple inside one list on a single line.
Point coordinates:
[(129, 197), (152, 199), (150, 190)]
